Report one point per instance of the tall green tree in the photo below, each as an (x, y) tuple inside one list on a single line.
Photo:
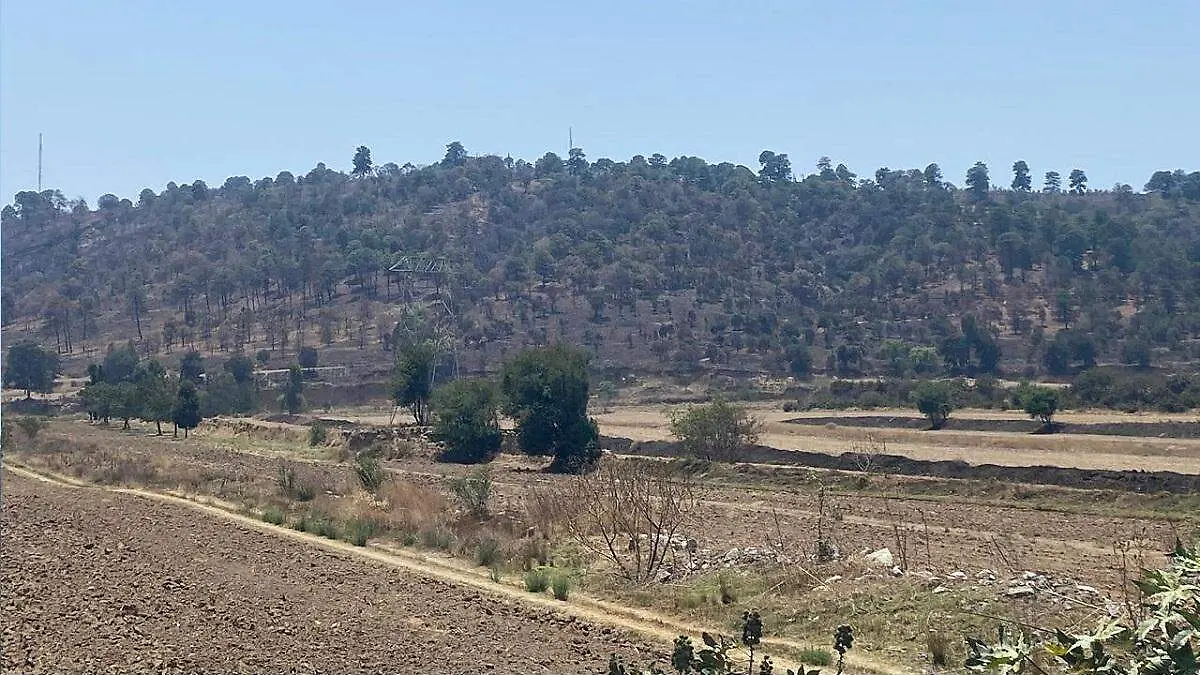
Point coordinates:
[(191, 367), (155, 393), (978, 183), (29, 367), (186, 411), (362, 161), (292, 397), (466, 421), (546, 392), (456, 154), (1078, 181), (1021, 181), (1053, 182), (934, 401), (775, 167), (412, 377), (577, 164), (1041, 403)]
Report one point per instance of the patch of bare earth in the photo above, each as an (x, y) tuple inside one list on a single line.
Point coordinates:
[(96, 581), (1120, 453)]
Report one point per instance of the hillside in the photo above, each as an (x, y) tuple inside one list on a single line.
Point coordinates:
[(659, 266)]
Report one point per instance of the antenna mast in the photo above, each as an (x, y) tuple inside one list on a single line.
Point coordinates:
[(570, 140), (39, 162)]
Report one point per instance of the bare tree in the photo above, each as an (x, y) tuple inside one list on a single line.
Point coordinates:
[(626, 512)]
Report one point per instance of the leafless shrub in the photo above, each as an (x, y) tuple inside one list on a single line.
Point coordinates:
[(865, 454), (625, 512)]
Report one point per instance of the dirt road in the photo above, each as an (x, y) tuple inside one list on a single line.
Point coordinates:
[(97, 581)]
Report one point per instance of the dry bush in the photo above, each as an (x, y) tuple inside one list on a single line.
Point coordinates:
[(624, 512), (409, 507)]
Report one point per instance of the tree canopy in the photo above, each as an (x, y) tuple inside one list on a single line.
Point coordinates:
[(30, 367), (546, 392)]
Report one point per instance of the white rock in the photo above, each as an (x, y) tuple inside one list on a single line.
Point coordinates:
[(1019, 592), (832, 579), (957, 576), (881, 558), (939, 590), (1087, 589)]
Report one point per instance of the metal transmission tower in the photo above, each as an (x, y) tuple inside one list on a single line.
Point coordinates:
[(426, 304)]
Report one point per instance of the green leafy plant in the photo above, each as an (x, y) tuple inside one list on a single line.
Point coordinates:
[(1165, 642), (274, 515), (358, 531), (487, 552), (815, 656), (32, 426), (537, 580), (715, 431), (317, 434), (371, 475), (473, 492), (560, 585)]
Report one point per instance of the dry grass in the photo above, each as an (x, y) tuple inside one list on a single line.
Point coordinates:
[(652, 423)]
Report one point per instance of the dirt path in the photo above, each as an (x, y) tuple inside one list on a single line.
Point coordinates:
[(432, 617)]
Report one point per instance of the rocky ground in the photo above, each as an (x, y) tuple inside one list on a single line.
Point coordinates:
[(98, 582)]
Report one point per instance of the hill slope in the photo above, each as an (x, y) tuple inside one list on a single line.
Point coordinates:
[(664, 266)]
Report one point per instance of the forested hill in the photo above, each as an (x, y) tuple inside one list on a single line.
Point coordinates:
[(655, 264)]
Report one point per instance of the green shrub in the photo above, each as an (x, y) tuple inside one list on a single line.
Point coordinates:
[(815, 656), (487, 552), (358, 531), (716, 431), (465, 421), (370, 474), (274, 515), (409, 538), (934, 400), (495, 574), (324, 527), (31, 426), (473, 492), (317, 434), (537, 580), (560, 585), (305, 492)]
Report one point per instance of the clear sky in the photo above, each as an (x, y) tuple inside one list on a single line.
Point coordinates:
[(134, 94)]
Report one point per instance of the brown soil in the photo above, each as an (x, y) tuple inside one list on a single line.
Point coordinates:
[(1142, 429), (1003, 448), (97, 581)]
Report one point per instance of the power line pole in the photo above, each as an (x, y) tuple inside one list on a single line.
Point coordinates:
[(39, 162)]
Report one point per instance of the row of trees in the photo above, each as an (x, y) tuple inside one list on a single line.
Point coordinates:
[(126, 387), (545, 390), (935, 400)]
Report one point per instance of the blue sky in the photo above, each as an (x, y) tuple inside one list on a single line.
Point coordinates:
[(135, 94)]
